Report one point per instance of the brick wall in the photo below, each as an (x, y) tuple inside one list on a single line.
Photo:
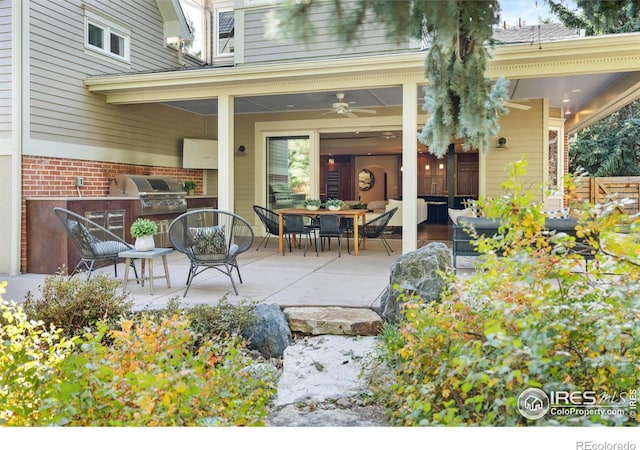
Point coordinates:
[(56, 177)]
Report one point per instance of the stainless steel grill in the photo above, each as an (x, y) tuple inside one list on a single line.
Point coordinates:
[(157, 195)]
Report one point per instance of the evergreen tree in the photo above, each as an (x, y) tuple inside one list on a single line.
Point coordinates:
[(610, 147), (461, 102)]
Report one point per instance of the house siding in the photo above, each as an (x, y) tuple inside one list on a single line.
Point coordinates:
[(62, 109), (524, 131), (6, 46), (324, 43)]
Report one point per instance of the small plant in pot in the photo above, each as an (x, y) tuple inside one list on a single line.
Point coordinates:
[(312, 204), (144, 230), (189, 186), (334, 204)]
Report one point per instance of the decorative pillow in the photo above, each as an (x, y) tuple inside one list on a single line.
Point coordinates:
[(208, 240), (377, 204), (455, 213)]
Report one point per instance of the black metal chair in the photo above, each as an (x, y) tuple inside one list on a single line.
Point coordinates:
[(298, 225), (330, 225), (375, 229), (93, 242), (270, 221), (211, 239)]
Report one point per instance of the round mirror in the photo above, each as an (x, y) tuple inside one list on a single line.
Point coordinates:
[(365, 179)]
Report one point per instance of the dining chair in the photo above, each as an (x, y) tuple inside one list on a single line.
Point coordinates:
[(330, 226), (93, 242), (269, 219), (211, 239), (375, 229), (298, 225)]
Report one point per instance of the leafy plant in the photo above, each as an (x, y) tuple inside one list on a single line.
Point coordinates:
[(75, 304), (312, 202), (335, 202), (149, 376), (532, 318), (30, 353), (189, 185), (358, 206), (143, 227)]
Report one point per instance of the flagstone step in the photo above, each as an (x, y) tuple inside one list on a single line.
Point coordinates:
[(317, 320)]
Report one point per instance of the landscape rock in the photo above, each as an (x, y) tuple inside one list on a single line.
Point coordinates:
[(271, 334), (415, 273), (321, 368), (333, 320)]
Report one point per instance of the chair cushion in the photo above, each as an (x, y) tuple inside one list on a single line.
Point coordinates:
[(109, 248), (208, 240)]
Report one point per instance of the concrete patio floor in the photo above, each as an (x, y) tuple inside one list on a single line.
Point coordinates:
[(268, 277)]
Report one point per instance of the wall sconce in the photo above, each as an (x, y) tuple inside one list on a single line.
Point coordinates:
[(426, 167), (502, 143), (441, 166), (242, 149), (330, 163)]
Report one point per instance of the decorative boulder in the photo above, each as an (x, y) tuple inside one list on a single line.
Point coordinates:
[(271, 333), (415, 273)]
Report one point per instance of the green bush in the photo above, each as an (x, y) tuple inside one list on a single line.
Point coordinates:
[(150, 376), (533, 318), (74, 304), (29, 357)]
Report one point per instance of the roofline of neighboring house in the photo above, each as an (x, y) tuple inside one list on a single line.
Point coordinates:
[(580, 56)]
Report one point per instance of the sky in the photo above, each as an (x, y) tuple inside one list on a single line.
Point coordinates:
[(530, 11)]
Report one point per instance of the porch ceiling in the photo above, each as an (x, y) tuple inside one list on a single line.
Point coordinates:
[(587, 77)]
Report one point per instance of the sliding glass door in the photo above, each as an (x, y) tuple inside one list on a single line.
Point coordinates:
[(288, 171)]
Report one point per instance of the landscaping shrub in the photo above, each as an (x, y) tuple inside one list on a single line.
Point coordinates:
[(29, 357), (533, 318), (74, 304)]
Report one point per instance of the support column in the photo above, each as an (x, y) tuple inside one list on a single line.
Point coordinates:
[(410, 166), (226, 176)]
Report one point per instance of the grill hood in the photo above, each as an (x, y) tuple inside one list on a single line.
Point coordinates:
[(157, 194)]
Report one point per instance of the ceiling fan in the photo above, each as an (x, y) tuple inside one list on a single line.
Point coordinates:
[(514, 105), (342, 107)]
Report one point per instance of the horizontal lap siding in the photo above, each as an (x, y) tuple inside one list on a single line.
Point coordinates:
[(6, 45), (323, 44), (63, 110)]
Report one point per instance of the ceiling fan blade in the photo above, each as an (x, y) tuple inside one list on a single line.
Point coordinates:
[(364, 111), (350, 114), (326, 113), (516, 106)]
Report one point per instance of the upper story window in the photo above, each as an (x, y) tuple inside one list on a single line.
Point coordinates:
[(224, 31), (105, 36)]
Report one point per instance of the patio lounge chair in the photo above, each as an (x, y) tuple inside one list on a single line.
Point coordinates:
[(211, 239), (375, 229), (93, 242), (270, 221)]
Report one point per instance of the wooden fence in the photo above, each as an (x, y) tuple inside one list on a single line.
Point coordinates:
[(602, 189)]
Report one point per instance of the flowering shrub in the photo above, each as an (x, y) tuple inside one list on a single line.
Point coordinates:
[(533, 318), (30, 354), (149, 376)]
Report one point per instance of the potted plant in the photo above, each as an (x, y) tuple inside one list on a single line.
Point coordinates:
[(312, 204), (144, 230), (189, 186), (333, 204)]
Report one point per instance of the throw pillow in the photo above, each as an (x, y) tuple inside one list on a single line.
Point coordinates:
[(208, 240), (455, 213)]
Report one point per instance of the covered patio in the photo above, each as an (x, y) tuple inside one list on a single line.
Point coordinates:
[(268, 277)]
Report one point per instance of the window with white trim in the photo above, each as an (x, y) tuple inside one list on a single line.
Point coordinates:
[(106, 37), (225, 28)]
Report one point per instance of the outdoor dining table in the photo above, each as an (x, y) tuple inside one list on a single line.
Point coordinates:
[(353, 213)]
